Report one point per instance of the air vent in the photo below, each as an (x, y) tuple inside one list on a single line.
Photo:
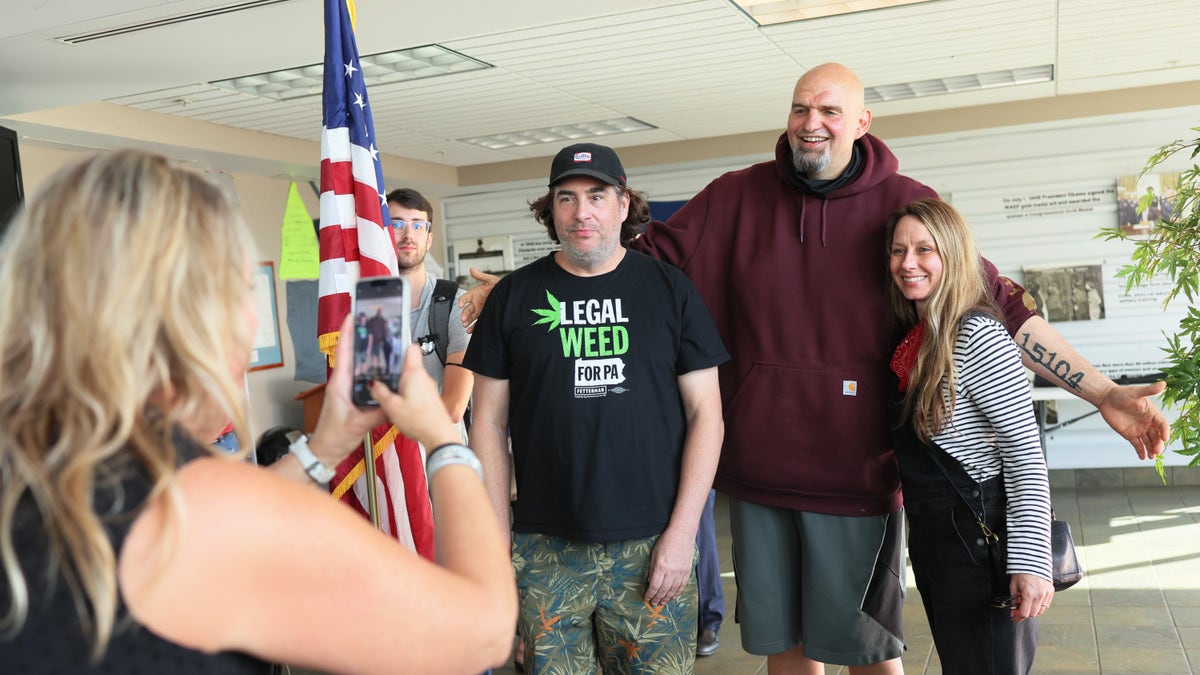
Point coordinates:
[(165, 21)]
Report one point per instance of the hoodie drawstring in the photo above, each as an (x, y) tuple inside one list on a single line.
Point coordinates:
[(824, 222), (803, 205), (824, 219)]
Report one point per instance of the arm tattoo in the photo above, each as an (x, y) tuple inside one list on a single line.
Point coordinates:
[(1060, 367)]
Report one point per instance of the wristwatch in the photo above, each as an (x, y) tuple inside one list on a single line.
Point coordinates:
[(314, 467)]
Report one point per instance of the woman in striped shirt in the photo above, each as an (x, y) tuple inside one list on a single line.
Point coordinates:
[(974, 477)]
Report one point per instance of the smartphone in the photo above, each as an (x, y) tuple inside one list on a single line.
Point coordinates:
[(382, 334)]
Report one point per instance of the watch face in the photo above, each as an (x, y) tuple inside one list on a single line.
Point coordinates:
[(313, 466)]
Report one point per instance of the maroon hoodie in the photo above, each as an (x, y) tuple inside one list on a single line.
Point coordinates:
[(796, 284)]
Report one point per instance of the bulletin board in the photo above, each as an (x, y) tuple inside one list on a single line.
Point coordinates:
[(267, 351)]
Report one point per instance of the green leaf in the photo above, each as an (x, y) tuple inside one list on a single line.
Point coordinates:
[(549, 316), (1173, 250)]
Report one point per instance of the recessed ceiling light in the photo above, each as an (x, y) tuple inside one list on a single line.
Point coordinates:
[(559, 133), (401, 65)]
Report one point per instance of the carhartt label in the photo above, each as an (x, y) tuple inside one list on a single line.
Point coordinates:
[(849, 388)]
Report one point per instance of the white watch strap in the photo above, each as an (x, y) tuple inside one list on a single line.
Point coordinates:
[(315, 468), (451, 453)]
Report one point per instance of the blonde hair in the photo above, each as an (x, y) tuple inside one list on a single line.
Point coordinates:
[(930, 398), (122, 289)]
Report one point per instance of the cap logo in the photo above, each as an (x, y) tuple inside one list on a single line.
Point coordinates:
[(583, 157)]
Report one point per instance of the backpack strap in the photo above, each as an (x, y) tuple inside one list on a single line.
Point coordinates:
[(439, 315), (444, 291)]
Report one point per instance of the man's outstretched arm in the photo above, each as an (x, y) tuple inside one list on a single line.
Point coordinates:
[(1127, 409)]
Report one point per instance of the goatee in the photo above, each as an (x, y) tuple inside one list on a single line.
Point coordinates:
[(809, 164)]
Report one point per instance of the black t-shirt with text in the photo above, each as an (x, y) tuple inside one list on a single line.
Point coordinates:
[(595, 413)]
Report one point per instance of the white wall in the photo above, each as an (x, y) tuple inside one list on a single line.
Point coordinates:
[(261, 201), (977, 171)]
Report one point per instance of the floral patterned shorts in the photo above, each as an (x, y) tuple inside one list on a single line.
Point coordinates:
[(582, 609)]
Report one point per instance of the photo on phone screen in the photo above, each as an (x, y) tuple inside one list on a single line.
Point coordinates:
[(381, 334)]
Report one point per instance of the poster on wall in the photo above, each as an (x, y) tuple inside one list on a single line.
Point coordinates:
[(302, 327), (1152, 291), (528, 248), (267, 350), (487, 254), (1158, 190), (1043, 202), (1067, 293)]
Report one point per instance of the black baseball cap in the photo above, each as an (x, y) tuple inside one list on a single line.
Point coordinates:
[(587, 159)]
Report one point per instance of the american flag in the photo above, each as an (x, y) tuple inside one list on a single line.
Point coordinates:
[(356, 241)]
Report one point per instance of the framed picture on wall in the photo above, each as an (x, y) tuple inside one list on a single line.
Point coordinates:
[(1067, 292), (267, 350), (488, 254), (1143, 201)]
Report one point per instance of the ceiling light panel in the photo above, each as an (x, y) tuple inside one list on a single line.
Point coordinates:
[(770, 12), (401, 65), (559, 133), (959, 83)]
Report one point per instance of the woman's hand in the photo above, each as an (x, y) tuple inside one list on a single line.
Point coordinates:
[(342, 424), (1035, 594), (417, 409)]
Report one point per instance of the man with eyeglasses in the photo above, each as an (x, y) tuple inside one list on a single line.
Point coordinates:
[(412, 231)]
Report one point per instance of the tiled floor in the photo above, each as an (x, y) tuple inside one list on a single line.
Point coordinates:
[(1136, 611)]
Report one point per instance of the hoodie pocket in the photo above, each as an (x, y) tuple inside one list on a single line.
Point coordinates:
[(808, 429)]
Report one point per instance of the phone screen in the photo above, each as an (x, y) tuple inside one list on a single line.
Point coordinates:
[(381, 334)]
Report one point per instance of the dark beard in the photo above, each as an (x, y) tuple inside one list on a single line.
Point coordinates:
[(415, 264)]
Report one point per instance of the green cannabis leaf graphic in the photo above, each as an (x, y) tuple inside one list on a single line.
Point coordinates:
[(549, 316)]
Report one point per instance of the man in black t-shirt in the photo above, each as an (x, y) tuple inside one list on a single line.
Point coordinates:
[(377, 333), (602, 364)]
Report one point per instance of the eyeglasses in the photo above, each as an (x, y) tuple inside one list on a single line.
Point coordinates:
[(1007, 603), (416, 225)]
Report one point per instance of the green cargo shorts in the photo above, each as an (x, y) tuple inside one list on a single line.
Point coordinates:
[(834, 584)]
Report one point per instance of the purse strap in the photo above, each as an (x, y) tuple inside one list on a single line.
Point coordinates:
[(989, 536)]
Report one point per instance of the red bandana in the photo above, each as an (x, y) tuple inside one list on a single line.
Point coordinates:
[(906, 353)]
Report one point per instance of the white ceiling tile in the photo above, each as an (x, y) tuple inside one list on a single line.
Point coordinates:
[(694, 68)]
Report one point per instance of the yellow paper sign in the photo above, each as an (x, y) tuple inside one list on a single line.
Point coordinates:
[(299, 254)]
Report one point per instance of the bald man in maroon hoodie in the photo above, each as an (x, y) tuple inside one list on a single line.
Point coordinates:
[(815, 502)]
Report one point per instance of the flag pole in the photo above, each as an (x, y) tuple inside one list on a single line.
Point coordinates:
[(372, 499)]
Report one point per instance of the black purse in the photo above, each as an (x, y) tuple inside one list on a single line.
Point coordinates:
[(1064, 564)]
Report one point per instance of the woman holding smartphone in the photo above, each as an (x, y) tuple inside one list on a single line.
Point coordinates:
[(975, 485), (128, 546)]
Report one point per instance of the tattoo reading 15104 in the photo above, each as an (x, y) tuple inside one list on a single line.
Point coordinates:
[(1060, 367)]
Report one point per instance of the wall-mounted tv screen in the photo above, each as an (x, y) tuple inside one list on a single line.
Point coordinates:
[(12, 192)]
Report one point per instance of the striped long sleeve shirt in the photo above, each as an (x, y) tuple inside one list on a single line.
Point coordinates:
[(993, 429)]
